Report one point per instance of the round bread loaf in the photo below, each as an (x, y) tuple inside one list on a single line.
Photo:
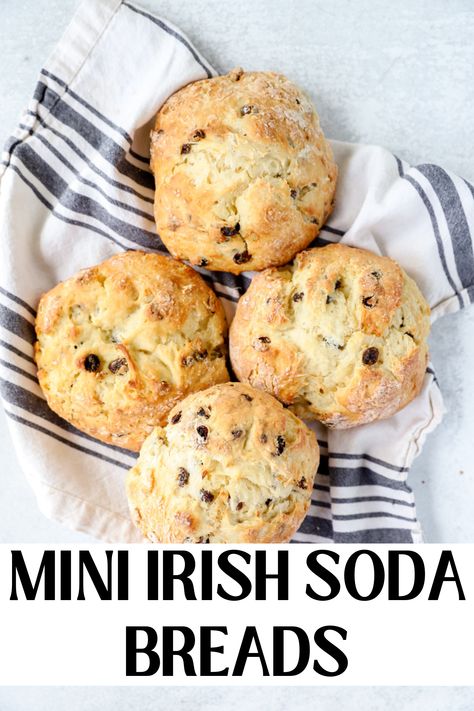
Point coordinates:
[(244, 176), (339, 336), (231, 466), (120, 343)]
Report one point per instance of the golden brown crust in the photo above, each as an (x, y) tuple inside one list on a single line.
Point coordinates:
[(339, 335), (121, 342), (244, 176), (231, 466)]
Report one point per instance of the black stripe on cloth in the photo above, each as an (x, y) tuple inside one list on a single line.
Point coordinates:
[(17, 352), (19, 301), (81, 204), (136, 155), (434, 224), (322, 504), (67, 442), (16, 320), (28, 401), (10, 144), (456, 220), (16, 324), (173, 33), (223, 295), (368, 458), (103, 144), (97, 113), (320, 487), (238, 282), (88, 106), (469, 186), (67, 220), (372, 514), (361, 499), (18, 370), (317, 526), (333, 230), (90, 164), (221, 279), (431, 372), (235, 281), (26, 128), (217, 291), (400, 169), (320, 242), (375, 535), (323, 468), (363, 476), (122, 205)]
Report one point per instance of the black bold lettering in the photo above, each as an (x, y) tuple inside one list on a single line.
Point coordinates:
[(326, 646), (169, 576), (235, 574), (261, 575), (279, 651), (250, 636), (394, 575), (86, 562), (349, 575), (47, 567), (325, 575), (132, 651), (446, 560), (65, 579), (206, 575), (152, 575), (207, 650), (122, 575), (169, 652)]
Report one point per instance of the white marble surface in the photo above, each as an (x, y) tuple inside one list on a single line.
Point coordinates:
[(238, 699), (397, 74)]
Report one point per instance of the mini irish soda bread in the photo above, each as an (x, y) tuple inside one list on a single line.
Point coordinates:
[(339, 336), (244, 176), (231, 466), (120, 343)]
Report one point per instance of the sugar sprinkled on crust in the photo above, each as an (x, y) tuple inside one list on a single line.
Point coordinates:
[(345, 335), (232, 465), (120, 343), (244, 176)]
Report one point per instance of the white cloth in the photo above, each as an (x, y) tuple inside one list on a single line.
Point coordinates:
[(76, 188)]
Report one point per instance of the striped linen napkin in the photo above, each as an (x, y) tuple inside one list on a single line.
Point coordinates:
[(76, 188)]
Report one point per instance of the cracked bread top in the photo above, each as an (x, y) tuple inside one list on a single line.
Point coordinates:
[(121, 342), (339, 335), (244, 176), (231, 466)]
